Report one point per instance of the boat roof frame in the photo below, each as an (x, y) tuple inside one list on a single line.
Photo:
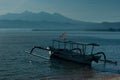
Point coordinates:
[(77, 43)]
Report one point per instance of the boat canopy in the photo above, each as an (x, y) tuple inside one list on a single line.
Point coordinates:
[(73, 45), (78, 43)]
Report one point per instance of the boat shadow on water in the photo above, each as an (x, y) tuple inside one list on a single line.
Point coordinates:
[(58, 62)]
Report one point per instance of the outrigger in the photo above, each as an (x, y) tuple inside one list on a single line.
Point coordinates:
[(74, 51)]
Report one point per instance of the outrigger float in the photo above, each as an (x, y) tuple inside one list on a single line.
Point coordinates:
[(73, 51)]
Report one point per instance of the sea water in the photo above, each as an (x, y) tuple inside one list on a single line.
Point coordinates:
[(15, 64)]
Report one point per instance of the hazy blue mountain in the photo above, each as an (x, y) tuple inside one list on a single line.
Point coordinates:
[(42, 16), (46, 20)]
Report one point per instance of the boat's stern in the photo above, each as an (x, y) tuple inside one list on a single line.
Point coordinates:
[(96, 58)]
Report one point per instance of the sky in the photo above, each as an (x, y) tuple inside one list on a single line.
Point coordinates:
[(83, 10)]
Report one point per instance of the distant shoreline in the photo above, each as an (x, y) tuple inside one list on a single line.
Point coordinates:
[(108, 30), (100, 30), (46, 29), (57, 30)]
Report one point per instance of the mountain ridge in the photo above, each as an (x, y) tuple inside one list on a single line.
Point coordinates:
[(43, 19), (40, 16)]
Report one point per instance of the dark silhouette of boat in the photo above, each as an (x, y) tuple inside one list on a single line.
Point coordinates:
[(73, 51)]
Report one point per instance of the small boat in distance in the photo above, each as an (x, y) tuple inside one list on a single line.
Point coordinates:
[(77, 52)]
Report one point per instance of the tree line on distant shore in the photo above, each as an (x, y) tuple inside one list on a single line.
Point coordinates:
[(109, 29)]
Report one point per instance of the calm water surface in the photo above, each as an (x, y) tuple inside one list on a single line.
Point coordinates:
[(15, 64)]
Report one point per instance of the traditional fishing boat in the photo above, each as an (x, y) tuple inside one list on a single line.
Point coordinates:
[(78, 52)]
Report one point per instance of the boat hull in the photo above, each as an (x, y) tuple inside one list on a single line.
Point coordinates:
[(77, 58)]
